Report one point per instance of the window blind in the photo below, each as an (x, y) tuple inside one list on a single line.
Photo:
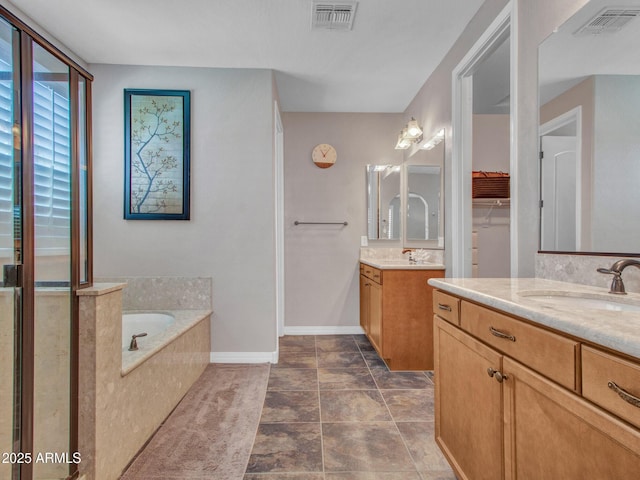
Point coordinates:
[(6, 165), (52, 170)]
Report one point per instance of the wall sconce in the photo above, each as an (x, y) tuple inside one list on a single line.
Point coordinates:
[(433, 141), (411, 133)]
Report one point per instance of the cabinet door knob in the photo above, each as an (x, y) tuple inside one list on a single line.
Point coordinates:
[(499, 376)]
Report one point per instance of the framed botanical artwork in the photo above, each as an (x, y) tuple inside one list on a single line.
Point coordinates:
[(157, 134)]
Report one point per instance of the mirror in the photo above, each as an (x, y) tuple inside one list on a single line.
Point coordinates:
[(383, 202), (589, 90), (424, 205), (423, 202)]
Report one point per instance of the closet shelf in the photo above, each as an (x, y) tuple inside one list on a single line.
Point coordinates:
[(492, 202)]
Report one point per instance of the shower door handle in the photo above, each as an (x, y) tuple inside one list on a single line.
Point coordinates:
[(12, 276)]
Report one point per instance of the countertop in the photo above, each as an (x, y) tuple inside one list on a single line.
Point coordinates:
[(401, 264), (617, 330)]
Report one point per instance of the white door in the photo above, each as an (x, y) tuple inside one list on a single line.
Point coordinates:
[(560, 194)]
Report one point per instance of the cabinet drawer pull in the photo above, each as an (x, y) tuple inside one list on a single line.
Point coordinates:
[(499, 334), (444, 307), (626, 396)]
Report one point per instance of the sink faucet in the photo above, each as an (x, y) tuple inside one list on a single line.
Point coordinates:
[(411, 259), (617, 286)]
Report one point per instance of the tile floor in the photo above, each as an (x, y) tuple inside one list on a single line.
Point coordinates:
[(333, 411)]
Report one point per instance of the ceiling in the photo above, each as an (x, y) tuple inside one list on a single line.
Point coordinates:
[(566, 59), (378, 66)]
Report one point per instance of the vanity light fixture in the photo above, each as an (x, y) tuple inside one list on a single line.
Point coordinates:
[(433, 141), (411, 133), (412, 130)]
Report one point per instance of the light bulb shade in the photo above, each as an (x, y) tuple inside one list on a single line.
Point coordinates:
[(413, 130), (402, 143)]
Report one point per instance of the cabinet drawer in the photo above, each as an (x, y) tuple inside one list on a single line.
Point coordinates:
[(373, 273), (549, 354), (612, 382), (446, 306)]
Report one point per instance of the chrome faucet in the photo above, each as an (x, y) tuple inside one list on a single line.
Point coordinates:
[(617, 286), (134, 343)]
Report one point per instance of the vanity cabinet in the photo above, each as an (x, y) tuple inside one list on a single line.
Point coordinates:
[(395, 313), (371, 305), (520, 413), (467, 404)]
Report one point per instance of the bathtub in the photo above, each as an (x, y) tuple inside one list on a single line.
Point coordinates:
[(151, 323), (134, 395)]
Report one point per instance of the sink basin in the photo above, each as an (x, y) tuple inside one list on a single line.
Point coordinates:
[(593, 301)]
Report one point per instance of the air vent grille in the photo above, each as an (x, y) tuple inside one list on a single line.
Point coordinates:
[(333, 16), (610, 20)]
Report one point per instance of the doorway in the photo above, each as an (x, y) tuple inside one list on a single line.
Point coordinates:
[(474, 69)]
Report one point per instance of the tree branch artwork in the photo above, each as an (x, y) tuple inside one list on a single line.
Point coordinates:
[(156, 145)]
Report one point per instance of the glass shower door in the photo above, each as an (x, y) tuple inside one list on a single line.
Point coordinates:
[(10, 254), (52, 139)]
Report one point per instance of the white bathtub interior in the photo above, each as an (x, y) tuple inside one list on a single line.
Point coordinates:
[(151, 323)]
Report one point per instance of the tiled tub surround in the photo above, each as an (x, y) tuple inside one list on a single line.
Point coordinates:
[(164, 293), (617, 330), (125, 396)]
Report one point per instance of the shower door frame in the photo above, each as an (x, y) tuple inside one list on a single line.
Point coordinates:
[(24, 371)]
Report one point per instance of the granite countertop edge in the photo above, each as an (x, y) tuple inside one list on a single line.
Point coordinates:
[(615, 330), (401, 265)]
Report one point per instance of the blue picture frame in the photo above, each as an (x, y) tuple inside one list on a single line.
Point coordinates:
[(157, 128)]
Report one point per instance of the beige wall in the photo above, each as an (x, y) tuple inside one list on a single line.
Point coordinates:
[(491, 142), (321, 262), (230, 236)]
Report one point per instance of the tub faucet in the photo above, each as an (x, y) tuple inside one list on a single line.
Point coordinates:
[(617, 286), (134, 343)]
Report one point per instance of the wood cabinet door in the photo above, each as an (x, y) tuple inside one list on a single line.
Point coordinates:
[(365, 294), (468, 404), (551, 433), (375, 316)]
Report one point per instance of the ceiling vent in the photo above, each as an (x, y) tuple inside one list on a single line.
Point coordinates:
[(332, 16), (609, 20)]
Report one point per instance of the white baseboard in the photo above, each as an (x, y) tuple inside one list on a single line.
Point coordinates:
[(350, 330), (272, 357), (243, 357)]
